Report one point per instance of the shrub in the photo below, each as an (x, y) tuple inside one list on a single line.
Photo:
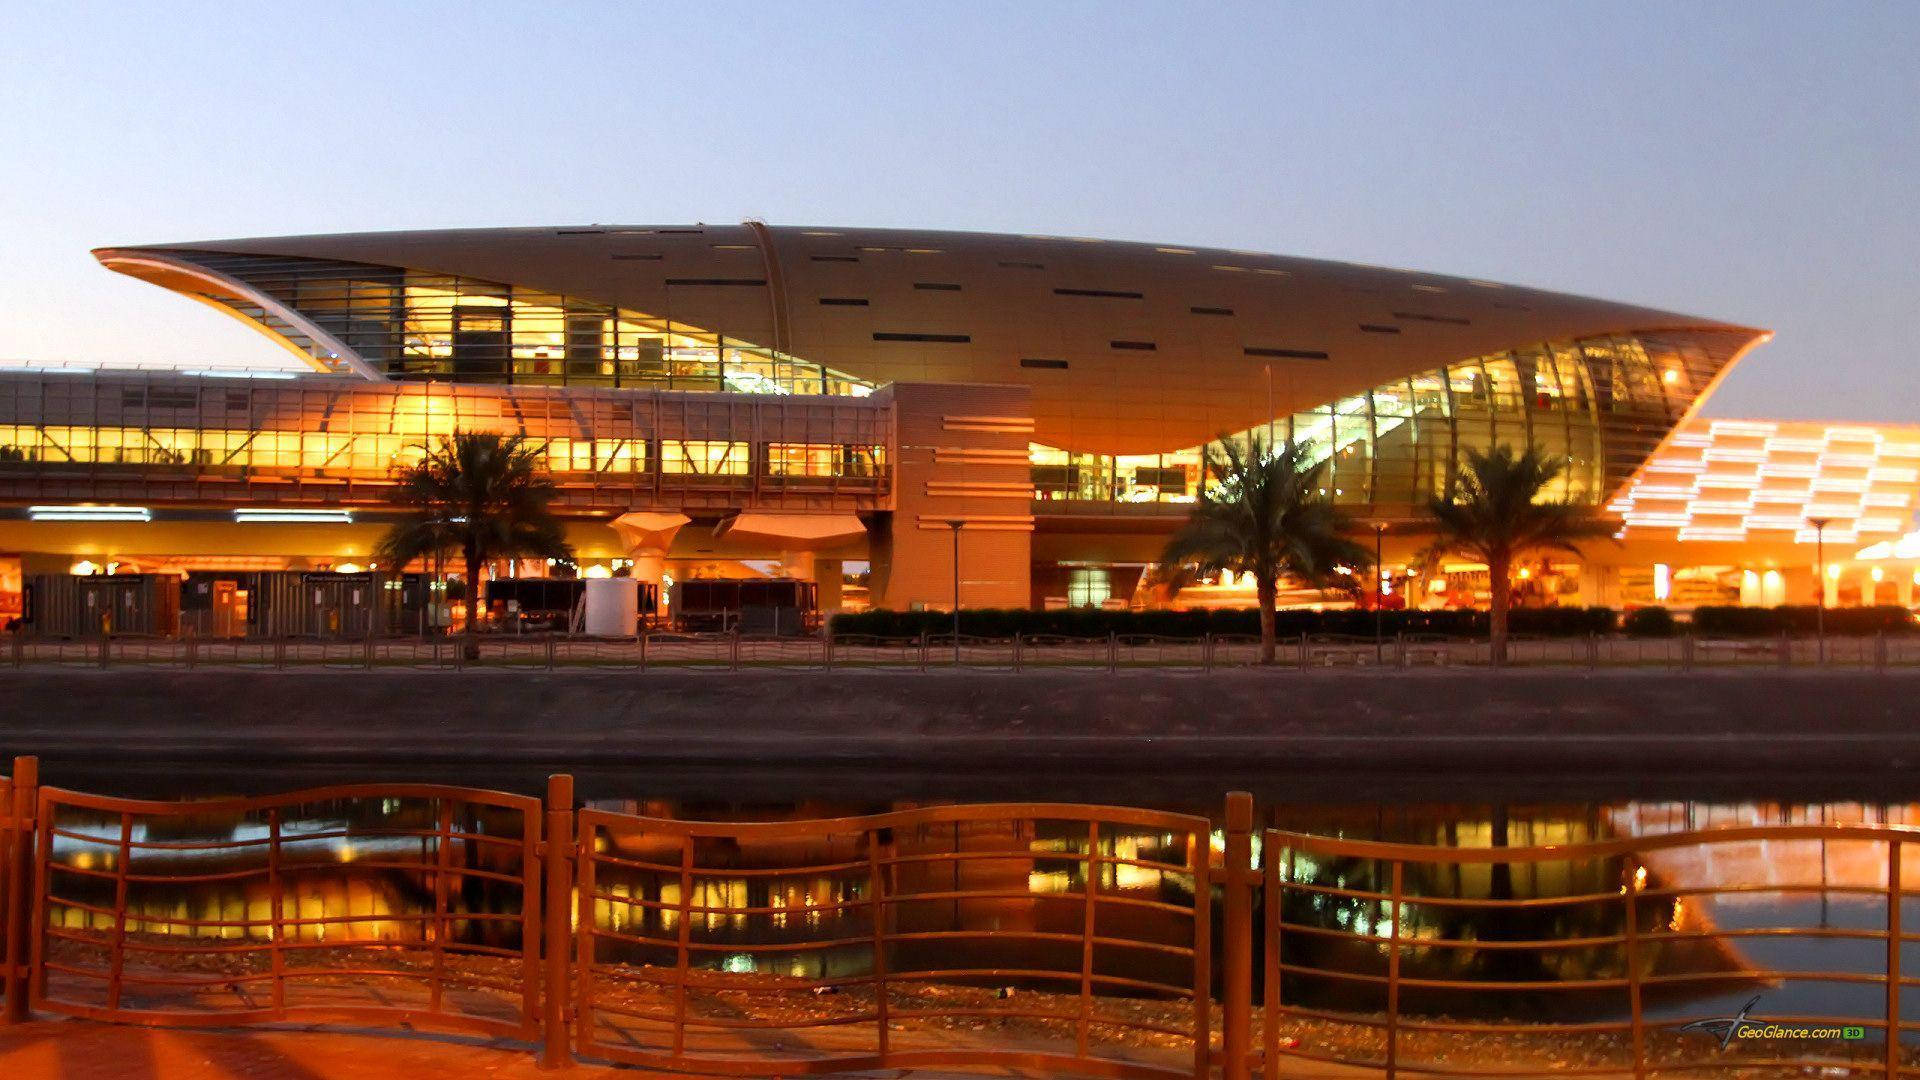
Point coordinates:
[(1648, 622), (1802, 620), (1094, 622)]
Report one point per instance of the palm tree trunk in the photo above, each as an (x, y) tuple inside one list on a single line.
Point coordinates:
[(1499, 570), (1264, 586)]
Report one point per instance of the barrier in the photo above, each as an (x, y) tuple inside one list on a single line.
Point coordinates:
[(1067, 939), (733, 651), (124, 928), (1637, 928), (713, 946)]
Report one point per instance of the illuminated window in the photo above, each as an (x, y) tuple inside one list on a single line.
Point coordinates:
[(825, 460), (704, 457), (414, 325), (1089, 587)]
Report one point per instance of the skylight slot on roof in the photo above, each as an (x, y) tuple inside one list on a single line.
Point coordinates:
[(1035, 362), (942, 339), (1211, 310), (1139, 346), (843, 301), (717, 281), (1106, 294), (1377, 328), (1285, 354), (936, 286)]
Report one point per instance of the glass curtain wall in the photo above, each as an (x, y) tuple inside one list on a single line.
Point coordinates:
[(414, 325), (1604, 404)]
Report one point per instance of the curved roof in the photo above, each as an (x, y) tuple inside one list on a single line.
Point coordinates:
[(1143, 347)]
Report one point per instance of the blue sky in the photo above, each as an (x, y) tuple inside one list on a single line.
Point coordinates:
[(1751, 161)]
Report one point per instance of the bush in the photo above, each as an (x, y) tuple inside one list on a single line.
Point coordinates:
[(1094, 622), (1802, 620), (1648, 622)]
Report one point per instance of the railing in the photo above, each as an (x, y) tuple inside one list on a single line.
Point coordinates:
[(857, 943), (1113, 652), (1066, 939), (382, 903), (1642, 937)]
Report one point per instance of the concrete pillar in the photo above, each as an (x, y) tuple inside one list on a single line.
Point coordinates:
[(798, 564), (828, 576), (648, 536)]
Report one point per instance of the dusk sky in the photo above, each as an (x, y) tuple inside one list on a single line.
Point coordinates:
[(1753, 162)]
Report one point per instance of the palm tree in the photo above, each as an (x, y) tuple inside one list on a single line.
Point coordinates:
[(1262, 513), (1495, 510), (481, 494)]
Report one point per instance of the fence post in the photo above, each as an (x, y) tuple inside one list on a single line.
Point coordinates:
[(1206, 651), (1113, 652), (191, 646), (1686, 651), (367, 652), (1786, 650), (1393, 969), (106, 649), (1304, 658), (279, 654), (1236, 956), (19, 876), (550, 652), (733, 649), (19, 649), (1894, 957), (1880, 652), (1631, 895), (1400, 648), (556, 933), (826, 647), (1593, 651), (923, 650), (1016, 650), (645, 635)]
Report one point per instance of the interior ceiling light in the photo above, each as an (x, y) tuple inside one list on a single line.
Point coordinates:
[(295, 516), (89, 513)]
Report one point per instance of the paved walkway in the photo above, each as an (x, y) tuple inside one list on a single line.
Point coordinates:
[(80, 1050)]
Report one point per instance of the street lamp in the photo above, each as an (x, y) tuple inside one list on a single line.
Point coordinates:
[(956, 524), (1379, 590), (1820, 585)]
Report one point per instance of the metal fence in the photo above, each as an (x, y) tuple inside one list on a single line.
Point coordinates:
[(1069, 939), (1114, 652)]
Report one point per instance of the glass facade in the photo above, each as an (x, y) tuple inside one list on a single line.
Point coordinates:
[(1601, 403), (408, 324)]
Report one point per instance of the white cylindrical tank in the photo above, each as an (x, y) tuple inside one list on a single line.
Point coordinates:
[(613, 607)]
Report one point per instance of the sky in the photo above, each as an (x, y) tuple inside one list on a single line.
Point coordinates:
[(1749, 161)]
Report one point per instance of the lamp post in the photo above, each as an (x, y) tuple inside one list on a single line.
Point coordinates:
[(1379, 591), (956, 524), (1820, 586)]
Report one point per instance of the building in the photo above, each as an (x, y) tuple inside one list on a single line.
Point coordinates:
[(802, 401)]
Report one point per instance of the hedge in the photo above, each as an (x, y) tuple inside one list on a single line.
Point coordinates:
[(1095, 622), (1801, 619), (1648, 622)]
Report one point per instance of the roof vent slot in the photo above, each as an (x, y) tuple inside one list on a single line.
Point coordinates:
[(1141, 346), (1106, 294), (943, 339)]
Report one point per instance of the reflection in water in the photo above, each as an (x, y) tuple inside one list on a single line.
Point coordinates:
[(347, 877), (342, 871)]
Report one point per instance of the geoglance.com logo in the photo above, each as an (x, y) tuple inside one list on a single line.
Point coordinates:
[(1740, 1026)]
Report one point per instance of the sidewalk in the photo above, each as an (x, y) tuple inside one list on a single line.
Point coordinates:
[(82, 1050)]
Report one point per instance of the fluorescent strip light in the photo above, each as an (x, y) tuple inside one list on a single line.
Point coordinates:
[(89, 513), (309, 517)]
